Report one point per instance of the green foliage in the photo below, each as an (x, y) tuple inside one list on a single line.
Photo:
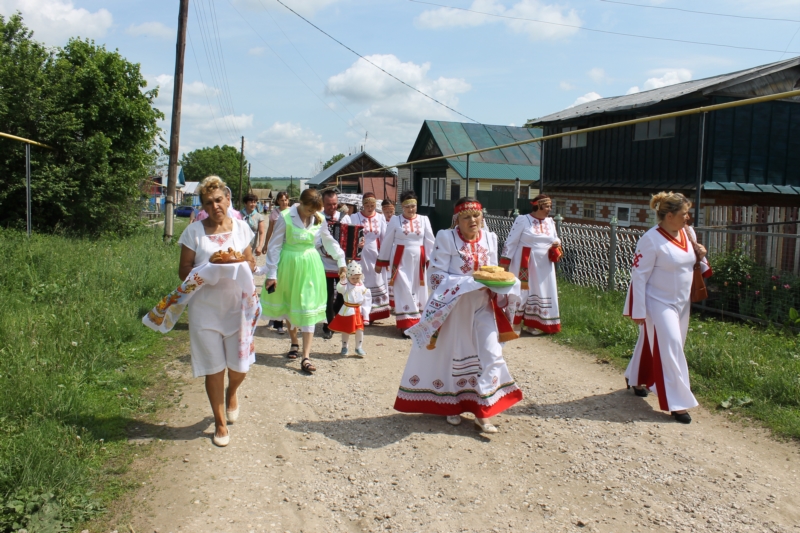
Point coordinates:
[(262, 185), (73, 362), (332, 160), (215, 161), (749, 369), (293, 191), (89, 105)]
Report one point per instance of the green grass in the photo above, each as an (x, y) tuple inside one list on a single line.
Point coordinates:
[(74, 362), (751, 364)]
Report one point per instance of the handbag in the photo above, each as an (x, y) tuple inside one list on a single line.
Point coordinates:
[(555, 253), (699, 291)]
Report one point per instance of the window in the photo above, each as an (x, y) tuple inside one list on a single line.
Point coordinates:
[(657, 129), (433, 192), (455, 189), (503, 188), (559, 206), (623, 214), (425, 184), (588, 210), (442, 188), (573, 141), (405, 185)]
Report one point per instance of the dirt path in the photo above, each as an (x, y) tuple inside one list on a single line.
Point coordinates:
[(328, 453)]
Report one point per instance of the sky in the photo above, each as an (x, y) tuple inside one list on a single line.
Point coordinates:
[(255, 69)]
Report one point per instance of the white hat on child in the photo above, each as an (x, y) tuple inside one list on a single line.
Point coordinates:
[(353, 269)]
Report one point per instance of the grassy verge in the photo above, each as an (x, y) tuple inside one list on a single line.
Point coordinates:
[(753, 370), (75, 361)]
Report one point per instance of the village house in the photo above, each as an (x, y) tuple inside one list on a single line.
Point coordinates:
[(750, 170), (382, 183)]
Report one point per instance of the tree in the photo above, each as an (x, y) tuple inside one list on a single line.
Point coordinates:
[(90, 106), (262, 185), (222, 161), (293, 190), (332, 160)]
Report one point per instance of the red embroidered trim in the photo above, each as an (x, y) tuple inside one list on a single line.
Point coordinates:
[(547, 328), (465, 406), (468, 206), (476, 239), (683, 244)]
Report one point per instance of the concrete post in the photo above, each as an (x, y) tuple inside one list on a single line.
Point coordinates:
[(612, 255)]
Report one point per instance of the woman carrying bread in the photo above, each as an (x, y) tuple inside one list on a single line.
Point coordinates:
[(456, 362), (658, 301), (406, 248), (526, 254), (295, 289), (215, 311)]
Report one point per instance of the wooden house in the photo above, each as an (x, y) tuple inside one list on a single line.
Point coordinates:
[(741, 157), (382, 183)]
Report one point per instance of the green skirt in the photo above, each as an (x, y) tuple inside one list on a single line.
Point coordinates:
[(301, 292)]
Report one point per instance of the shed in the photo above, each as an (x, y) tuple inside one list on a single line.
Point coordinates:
[(360, 183)]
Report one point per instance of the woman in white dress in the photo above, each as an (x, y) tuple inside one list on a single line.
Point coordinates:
[(456, 363), (406, 248), (658, 301), (374, 232), (526, 255), (215, 311)]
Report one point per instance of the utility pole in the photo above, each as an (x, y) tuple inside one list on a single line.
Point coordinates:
[(249, 184), (175, 128), (241, 172)]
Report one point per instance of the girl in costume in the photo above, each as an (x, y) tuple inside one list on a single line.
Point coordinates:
[(354, 314), (526, 255), (456, 363), (294, 268), (658, 301), (406, 248), (374, 231)]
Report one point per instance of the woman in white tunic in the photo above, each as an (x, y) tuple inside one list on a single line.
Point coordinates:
[(406, 248), (526, 255), (456, 363), (658, 301), (374, 232), (215, 311)]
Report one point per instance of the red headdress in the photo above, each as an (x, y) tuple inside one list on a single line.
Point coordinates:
[(471, 207)]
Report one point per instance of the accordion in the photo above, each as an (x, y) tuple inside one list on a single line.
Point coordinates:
[(348, 237)]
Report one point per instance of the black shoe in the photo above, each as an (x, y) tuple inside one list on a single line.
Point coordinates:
[(327, 334), (641, 392), (683, 418)]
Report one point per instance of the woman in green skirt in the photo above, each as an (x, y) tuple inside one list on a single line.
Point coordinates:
[(295, 289)]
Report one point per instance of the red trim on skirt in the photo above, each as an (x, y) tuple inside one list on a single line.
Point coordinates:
[(347, 324), (547, 328), (406, 323), (467, 406), (380, 315)]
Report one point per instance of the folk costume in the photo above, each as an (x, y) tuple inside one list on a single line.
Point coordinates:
[(661, 281), (456, 362), (374, 233), (526, 256), (294, 261), (334, 300), (357, 304), (406, 248)]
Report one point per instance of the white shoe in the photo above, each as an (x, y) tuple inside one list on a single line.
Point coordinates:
[(535, 332), (221, 441), (232, 416), (454, 420), (485, 427)]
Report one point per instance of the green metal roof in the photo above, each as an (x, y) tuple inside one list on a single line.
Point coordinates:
[(741, 187), (495, 171)]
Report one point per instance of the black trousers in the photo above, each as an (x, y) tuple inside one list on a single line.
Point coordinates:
[(335, 300)]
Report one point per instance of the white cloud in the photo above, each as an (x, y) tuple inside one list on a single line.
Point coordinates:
[(287, 139), (598, 75), (566, 86), (55, 21), (257, 51), (151, 29), (588, 97), (663, 78), (304, 7), (446, 17)]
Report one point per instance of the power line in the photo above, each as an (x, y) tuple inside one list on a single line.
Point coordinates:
[(700, 12), (601, 31), (191, 45), (222, 59)]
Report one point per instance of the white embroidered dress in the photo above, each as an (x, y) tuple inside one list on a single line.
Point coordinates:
[(405, 250), (456, 363), (526, 255), (374, 233), (661, 282)]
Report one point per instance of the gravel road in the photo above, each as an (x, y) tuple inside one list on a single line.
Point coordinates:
[(328, 453)]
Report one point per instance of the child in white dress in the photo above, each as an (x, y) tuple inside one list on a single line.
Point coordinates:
[(354, 314)]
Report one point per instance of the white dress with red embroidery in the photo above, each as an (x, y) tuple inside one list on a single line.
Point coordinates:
[(526, 255), (661, 282), (456, 363), (374, 232), (406, 247), (356, 308)]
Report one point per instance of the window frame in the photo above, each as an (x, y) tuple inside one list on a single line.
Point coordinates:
[(573, 141), (593, 208), (424, 192), (644, 131), (623, 223)]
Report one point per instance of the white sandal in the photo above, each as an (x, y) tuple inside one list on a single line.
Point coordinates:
[(231, 416), (221, 441), (454, 420), (485, 427)]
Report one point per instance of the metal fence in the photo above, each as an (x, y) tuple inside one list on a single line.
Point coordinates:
[(756, 273)]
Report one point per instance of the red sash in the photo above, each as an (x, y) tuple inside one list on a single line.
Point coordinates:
[(398, 256), (505, 332), (523, 267)]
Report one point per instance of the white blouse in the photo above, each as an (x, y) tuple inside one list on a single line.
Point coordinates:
[(204, 246), (455, 256)]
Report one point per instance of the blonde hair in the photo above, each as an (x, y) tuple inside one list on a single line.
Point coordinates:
[(209, 185), (668, 202)]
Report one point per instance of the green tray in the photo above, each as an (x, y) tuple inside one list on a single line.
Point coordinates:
[(494, 283)]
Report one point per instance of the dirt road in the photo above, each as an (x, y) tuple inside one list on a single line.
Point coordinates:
[(328, 453)]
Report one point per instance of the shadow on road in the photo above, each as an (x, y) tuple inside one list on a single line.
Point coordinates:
[(619, 406)]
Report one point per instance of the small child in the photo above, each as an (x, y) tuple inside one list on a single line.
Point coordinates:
[(354, 314)]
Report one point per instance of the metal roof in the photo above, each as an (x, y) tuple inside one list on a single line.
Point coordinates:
[(455, 137), (332, 170), (190, 187), (750, 187), (643, 99), (495, 171)]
